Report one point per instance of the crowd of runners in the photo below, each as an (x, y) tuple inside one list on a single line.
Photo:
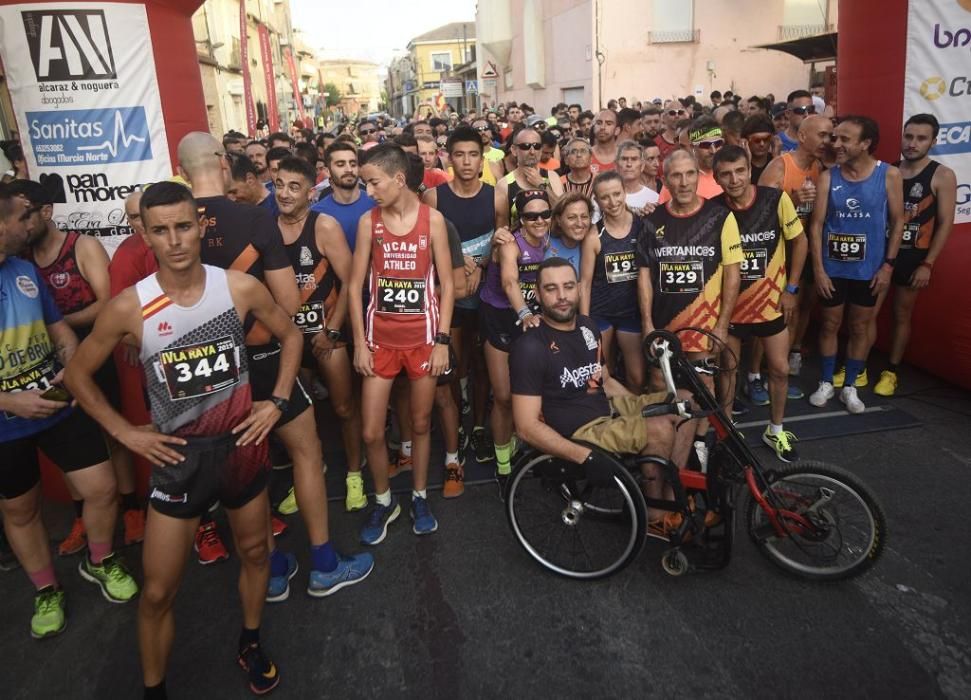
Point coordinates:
[(390, 269)]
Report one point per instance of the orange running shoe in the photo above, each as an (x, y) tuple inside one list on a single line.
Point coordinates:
[(454, 481), (279, 527), (75, 541), (134, 526), (209, 546), (402, 465)]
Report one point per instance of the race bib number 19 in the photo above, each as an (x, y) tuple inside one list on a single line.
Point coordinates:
[(199, 369), (620, 267), (682, 277), (847, 247), (401, 296)]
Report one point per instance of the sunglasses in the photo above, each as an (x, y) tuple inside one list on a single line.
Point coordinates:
[(532, 216), (482, 128), (713, 145), (529, 146), (759, 140), (810, 109), (675, 112), (365, 132)]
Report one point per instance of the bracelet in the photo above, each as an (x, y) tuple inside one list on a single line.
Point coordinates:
[(928, 265), (792, 288), (523, 313)]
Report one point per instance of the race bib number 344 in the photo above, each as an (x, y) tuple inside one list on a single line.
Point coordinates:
[(401, 296), (847, 247), (686, 277), (196, 370)]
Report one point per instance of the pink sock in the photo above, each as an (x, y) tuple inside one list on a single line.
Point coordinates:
[(44, 577), (97, 551)]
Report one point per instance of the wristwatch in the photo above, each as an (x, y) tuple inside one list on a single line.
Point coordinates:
[(442, 339), (890, 261), (282, 404), (333, 335), (792, 288)]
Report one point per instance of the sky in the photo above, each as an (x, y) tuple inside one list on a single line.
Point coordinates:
[(377, 34)]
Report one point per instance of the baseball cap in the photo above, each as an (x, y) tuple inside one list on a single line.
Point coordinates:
[(534, 120), (32, 191), (779, 108)]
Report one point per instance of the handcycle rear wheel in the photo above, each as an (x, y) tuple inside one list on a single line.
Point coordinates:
[(574, 523), (835, 527)]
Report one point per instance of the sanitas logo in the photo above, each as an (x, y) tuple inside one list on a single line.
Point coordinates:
[(89, 136), (69, 45)]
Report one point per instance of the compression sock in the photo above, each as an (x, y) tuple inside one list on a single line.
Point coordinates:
[(156, 692), (383, 499), (853, 370), (248, 638), (97, 551), (423, 493), (503, 454), (43, 577), (324, 557), (278, 563), (78, 508), (129, 502), (828, 367)]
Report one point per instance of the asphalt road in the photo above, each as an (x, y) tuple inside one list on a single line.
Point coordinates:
[(465, 614)]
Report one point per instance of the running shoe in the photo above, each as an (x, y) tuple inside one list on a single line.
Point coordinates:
[(794, 392), (8, 560), (739, 407), (839, 378), (278, 588), (278, 526), (111, 575), (350, 570), (701, 452), (756, 392), (209, 545), (49, 619), (262, 673), (134, 521), (454, 481), (402, 464), (481, 446), (355, 499), (822, 394), (887, 385), (463, 443), (782, 444), (421, 516), (376, 527), (849, 399), (288, 506), (795, 364), (76, 540)]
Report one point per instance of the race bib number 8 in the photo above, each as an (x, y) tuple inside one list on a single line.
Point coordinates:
[(847, 247), (200, 369), (310, 317), (910, 235), (620, 267), (401, 296), (682, 277), (753, 264)]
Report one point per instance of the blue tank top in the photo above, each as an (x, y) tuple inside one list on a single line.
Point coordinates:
[(558, 249), (855, 230), (529, 259), (347, 215)]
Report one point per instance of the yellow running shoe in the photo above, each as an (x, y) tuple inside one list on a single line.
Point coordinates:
[(887, 386), (355, 500), (839, 378), (288, 506)]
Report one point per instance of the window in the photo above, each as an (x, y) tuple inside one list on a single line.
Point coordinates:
[(441, 61), (673, 22)]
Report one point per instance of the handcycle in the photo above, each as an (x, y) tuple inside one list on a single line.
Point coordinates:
[(812, 519)]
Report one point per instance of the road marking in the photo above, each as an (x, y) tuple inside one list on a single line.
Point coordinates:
[(815, 416)]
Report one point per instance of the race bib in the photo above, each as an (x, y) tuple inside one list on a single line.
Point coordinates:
[(38, 377), (620, 267), (911, 232), (847, 247), (528, 290), (199, 369), (753, 264), (401, 296), (310, 317), (686, 277)]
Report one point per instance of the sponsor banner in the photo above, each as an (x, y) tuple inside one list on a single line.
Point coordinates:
[(244, 60), (938, 82), (291, 67), (267, 56), (87, 107)]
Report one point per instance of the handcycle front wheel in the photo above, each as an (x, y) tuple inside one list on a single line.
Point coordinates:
[(573, 522), (834, 526)]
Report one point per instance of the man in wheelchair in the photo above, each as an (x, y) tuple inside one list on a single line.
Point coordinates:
[(562, 393)]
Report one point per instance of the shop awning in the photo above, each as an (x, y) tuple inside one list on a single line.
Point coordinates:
[(821, 47)]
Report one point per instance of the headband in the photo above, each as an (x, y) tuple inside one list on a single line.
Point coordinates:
[(714, 132), (527, 196)]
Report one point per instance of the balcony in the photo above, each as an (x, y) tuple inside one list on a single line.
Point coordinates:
[(675, 36), (788, 32)]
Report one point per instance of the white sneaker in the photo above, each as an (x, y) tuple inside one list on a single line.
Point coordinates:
[(795, 364), (823, 394), (701, 449), (852, 402)]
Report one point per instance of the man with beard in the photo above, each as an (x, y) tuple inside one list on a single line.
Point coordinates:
[(650, 126), (758, 132), (347, 201), (256, 152), (527, 176), (605, 131)]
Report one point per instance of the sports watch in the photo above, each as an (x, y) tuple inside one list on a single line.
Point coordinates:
[(282, 404), (333, 335), (792, 288), (442, 339)]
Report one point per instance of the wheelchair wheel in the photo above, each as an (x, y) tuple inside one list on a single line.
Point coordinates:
[(835, 527), (574, 525)]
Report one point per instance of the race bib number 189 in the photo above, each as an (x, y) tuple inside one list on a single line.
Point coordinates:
[(847, 247), (199, 369), (682, 277)]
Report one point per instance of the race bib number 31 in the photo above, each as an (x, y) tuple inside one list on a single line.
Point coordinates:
[(200, 369), (686, 277), (620, 267), (753, 264), (401, 296), (847, 247), (310, 317)]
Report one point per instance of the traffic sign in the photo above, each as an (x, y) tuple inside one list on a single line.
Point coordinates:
[(472, 87)]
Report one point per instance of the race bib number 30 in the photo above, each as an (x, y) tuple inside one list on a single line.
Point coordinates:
[(753, 264), (620, 267), (847, 247), (401, 296), (310, 317), (200, 369), (686, 277)]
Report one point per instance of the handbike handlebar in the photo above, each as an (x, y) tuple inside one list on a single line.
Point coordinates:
[(660, 347)]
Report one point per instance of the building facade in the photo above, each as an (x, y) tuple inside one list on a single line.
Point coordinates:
[(416, 78), (357, 82)]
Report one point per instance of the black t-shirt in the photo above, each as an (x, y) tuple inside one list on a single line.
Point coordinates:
[(563, 367)]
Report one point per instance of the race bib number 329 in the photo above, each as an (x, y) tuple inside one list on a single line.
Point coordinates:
[(196, 370), (401, 296), (686, 277)]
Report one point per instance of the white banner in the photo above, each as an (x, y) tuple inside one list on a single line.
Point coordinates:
[(82, 81), (938, 82)]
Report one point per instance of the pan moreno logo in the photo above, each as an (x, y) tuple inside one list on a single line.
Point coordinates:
[(89, 136)]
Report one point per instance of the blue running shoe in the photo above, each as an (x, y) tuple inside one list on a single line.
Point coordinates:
[(421, 515), (279, 588), (376, 527), (350, 570), (794, 392), (757, 393)]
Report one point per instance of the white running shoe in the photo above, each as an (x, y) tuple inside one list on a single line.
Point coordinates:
[(852, 402), (701, 449), (823, 394), (795, 364)]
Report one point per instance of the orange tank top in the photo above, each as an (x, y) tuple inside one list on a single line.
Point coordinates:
[(793, 178)]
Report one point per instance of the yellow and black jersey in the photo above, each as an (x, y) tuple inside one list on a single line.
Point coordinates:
[(685, 255), (764, 226)]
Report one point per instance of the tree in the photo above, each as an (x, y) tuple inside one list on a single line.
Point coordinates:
[(333, 94)]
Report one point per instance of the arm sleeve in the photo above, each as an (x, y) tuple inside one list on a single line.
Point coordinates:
[(269, 241), (788, 219), (527, 363), (731, 241)]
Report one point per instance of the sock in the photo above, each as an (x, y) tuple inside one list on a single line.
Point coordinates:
[(248, 638), (383, 499), (97, 551), (752, 376), (406, 448), (129, 502), (892, 367), (324, 557), (794, 350), (477, 428), (452, 457), (854, 368), (278, 563), (354, 475), (78, 508), (828, 365), (156, 692), (775, 429), (43, 577), (419, 494), (503, 453)]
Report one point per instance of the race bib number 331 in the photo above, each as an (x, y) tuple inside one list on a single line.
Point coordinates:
[(200, 369), (686, 277)]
